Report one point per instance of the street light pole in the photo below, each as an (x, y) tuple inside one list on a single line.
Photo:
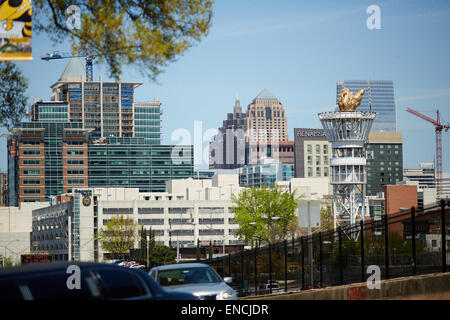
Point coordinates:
[(148, 251), (310, 253)]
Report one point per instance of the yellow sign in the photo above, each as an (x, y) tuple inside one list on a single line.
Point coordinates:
[(15, 30)]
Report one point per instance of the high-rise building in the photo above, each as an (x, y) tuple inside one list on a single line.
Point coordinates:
[(47, 159), (312, 153), (384, 160), (266, 120), (228, 149), (378, 97), (91, 134), (108, 108)]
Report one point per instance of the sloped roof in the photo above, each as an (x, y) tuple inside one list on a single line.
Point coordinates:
[(75, 69), (266, 95)]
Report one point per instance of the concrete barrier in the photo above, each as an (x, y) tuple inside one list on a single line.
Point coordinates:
[(423, 287)]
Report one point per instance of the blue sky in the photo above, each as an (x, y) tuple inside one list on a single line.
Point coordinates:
[(297, 50)]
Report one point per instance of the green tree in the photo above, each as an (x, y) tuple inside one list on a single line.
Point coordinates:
[(146, 33), (13, 100), (255, 208), (211, 251), (143, 245), (326, 219), (118, 236), (162, 255), (7, 263)]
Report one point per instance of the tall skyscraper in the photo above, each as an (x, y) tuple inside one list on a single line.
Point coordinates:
[(378, 97), (228, 149), (91, 134), (266, 120), (384, 160), (106, 107)]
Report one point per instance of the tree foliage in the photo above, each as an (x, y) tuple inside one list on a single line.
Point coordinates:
[(146, 33), (259, 206), (326, 219), (13, 101), (158, 255), (118, 236)]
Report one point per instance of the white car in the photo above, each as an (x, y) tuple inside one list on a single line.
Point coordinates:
[(196, 278)]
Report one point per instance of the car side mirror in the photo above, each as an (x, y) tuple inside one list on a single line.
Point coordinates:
[(228, 280)]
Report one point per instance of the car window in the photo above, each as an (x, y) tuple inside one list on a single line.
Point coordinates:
[(121, 284), (9, 290), (182, 276), (53, 286)]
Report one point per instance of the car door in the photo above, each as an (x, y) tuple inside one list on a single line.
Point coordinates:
[(123, 284), (52, 286)]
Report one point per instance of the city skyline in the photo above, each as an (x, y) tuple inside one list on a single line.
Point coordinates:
[(294, 50)]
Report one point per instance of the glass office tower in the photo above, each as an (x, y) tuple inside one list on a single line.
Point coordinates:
[(378, 97), (47, 159)]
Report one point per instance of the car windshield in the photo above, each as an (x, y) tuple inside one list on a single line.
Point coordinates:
[(176, 277)]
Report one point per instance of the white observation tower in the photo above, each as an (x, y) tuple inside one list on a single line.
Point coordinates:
[(348, 131)]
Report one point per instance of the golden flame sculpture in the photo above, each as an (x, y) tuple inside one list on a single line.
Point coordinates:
[(349, 101)]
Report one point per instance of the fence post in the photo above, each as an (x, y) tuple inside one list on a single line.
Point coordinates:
[(270, 267), (341, 271), (386, 245), (242, 270), (444, 238), (229, 264), (413, 239), (256, 270), (320, 260), (363, 262), (303, 264), (285, 266)]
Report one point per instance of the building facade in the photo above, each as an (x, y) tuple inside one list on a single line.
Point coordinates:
[(378, 97), (228, 148), (178, 219), (266, 120), (425, 175), (312, 153), (91, 134), (282, 151), (267, 173), (46, 159), (384, 160)]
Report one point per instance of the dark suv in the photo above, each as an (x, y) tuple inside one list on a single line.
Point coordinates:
[(51, 281)]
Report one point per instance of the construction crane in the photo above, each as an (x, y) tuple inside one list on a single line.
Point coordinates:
[(438, 128), (57, 55)]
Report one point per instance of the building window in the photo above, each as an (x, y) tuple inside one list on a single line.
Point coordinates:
[(31, 161), (29, 172), (75, 181), (150, 210), (31, 191)]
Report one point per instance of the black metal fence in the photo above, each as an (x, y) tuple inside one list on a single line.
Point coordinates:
[(406, 243)]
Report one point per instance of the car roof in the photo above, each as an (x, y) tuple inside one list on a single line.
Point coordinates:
[(180, 266), (50, 267)]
